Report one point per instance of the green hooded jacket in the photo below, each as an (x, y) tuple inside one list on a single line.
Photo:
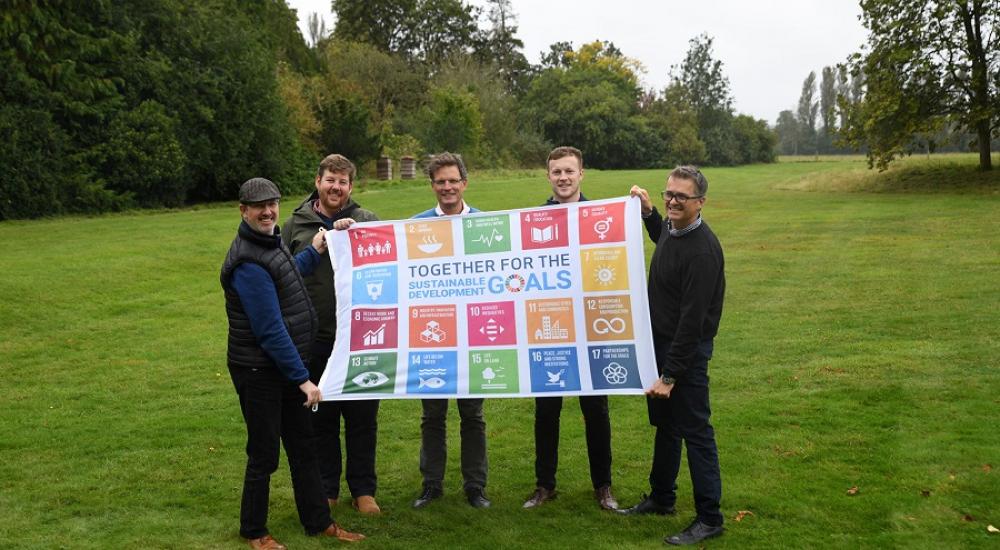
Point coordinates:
[(297, 232)]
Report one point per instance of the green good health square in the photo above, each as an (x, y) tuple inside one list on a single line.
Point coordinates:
[(493, 371), (485, 234), (371, 373)]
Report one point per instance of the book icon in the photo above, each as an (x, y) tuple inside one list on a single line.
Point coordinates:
[(544, 234)]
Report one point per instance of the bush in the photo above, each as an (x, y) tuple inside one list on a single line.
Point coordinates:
[(143, 159)]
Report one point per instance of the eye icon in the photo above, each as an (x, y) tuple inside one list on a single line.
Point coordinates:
[(370, 379)]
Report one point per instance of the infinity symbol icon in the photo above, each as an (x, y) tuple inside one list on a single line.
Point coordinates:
[(604, 326)]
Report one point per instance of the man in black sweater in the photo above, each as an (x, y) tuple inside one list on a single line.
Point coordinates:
[(687, 283)]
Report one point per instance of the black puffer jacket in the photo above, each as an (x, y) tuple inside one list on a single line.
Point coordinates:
[(296, 307)]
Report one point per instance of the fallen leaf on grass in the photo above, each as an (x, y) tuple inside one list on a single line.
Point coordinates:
[(742, 514), (968, 517), (987, 468), (991, 529), (925, 493), (853, 490)]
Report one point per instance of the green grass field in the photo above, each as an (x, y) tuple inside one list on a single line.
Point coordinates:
[(859, 348)]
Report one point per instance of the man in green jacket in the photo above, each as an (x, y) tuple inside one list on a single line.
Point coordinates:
[(331, 202)]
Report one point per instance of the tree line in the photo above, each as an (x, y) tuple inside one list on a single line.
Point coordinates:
[(113, 104), (927, 80)]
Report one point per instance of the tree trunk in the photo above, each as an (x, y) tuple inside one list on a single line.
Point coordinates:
[(983, 136), (979, 96)]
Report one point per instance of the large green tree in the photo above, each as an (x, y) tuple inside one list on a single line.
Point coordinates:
[(706, 88), (500, 48), (425, 30), (142, 102), (806, 114), (589, 98), (787, 129), (827, 108), (926, 60), (675, 121)]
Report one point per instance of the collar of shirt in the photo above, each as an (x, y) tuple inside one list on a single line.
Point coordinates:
[(439, 212), (552, 200), (681, 232)]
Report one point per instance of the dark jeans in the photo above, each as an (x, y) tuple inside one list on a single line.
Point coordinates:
[(360, 435), (273, 412), (597, 423), (434, 446), (684, 418)]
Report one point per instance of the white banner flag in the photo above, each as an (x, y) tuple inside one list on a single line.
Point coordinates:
[(521, 303)]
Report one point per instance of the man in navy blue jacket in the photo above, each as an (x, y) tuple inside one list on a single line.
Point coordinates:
[(271, 326)]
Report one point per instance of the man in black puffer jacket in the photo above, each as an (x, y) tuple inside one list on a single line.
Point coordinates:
[(271, 326)]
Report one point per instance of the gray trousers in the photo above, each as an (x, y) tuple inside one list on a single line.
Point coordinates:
[(434, 445)]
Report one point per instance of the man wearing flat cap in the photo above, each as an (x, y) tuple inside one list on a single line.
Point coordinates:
[(271, 326)]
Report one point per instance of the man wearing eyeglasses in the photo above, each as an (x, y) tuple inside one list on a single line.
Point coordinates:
[(687, 284), (271, 325), (449, 180), (565, 172)]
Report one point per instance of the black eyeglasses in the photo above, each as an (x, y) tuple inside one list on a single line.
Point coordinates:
[(681, 198), (447, 182)]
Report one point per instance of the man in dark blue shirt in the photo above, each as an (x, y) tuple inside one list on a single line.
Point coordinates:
[(271, 325)]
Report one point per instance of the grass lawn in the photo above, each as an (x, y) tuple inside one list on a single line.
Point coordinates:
[(859, 348)]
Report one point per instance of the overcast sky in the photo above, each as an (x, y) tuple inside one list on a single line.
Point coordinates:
[(767, 47)]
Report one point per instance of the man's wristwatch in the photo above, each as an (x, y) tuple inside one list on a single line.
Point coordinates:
[(667, 379)]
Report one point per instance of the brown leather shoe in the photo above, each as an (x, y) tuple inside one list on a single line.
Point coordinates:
[(340, 534), (266, 542), (605, 498), (366, 505), (540, 496)]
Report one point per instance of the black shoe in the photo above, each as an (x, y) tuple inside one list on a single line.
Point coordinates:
[(477, 498), (429, 494), (649, 506), (695, 533)]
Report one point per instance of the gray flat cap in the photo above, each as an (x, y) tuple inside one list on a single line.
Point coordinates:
[(256, 190)]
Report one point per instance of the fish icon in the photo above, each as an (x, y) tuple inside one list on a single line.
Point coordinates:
[(433, 383), (370, 379)]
